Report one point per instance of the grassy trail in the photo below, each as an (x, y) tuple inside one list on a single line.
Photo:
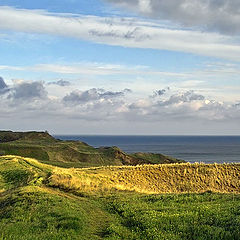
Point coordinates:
[(98, 219)]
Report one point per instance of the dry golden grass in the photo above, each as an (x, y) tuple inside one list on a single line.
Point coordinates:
[(151, 179)]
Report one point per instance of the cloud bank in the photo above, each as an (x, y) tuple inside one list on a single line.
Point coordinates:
[(31, 100)]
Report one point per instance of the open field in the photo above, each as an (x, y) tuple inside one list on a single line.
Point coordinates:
[(40, 201)]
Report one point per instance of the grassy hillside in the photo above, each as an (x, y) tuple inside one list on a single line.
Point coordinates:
[(40, 201), (45, 148)]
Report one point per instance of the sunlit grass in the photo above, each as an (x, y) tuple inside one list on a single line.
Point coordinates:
[(177, 202), (152, 179)]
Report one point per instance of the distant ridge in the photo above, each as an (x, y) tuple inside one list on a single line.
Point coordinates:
[(45, 148), (8, 136)]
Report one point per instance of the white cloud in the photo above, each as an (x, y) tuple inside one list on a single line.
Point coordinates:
[(99, 104), (30, 103), (5, 67), (80, 97), (219, 80), (127, 32), (214, 69), (87, 68), (27, 91), (95, 69), (145, 6)]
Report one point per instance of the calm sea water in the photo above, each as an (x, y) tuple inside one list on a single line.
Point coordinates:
[(208, 149)]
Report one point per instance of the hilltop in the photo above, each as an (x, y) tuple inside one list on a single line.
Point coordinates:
[(41, 201), (9, 136), (45, 148)]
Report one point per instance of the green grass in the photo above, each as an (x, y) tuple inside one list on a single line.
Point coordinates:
[(40, 215), (33, 214), (177, 217), (32, 210), (45, 148), (24, 150), (154, 158)]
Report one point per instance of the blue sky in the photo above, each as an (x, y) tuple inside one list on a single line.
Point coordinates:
[(97, 67)]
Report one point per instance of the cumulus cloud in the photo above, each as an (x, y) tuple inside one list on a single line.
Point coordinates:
[(61, 83), (28, 91), (182, 106), (161, 92), (78, 97), (213, 15), (187, 96), (30, 100), (126, 32)]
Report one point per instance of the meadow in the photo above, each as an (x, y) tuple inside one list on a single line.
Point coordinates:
[(41, 201)]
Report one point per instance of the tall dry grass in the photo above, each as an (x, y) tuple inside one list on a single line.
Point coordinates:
[(169, 178), (163, 178)]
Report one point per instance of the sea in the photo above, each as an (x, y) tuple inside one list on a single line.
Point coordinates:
[(206, 149)]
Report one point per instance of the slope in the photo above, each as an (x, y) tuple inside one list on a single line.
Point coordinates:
[(40, 201), (45, 148)]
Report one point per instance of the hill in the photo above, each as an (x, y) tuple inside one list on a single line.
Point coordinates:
[(9, 136), (45, 148), (40, 201)]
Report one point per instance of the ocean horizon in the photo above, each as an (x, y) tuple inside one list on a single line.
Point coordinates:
[(202, 148)]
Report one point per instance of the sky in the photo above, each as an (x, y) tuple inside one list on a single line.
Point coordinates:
[(126, 67)]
